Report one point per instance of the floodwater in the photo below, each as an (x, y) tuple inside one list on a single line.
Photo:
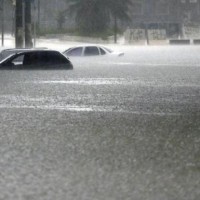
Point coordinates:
[(112, 128)]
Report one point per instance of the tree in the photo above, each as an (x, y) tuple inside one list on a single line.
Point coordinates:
[(19, 24), (90, 15), (19, 29), (28, 24), (118, 10), (60, 18), (95, 15)]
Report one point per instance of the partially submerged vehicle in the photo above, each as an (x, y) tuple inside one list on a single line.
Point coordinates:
[(91, 50), (5, 52), (36, 59)]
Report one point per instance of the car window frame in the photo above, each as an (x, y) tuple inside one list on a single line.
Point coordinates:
[(100, 48), (71, 49), (91, 55)]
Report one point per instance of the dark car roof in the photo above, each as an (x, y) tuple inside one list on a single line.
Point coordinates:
[(23, 49), (7, 52), (36, 50), (31, 51)]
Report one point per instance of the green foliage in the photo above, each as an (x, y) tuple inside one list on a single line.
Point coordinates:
[(60, 18), (75, 32), (47, 31), (94, 16)]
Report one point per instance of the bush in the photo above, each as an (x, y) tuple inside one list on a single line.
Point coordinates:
[(75, 32)]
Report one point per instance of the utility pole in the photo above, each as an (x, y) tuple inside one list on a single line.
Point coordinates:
[(115, 29), (34, 25), (2, 23), (28, 24), (146, 33), (38, 20), (146, 25), (19, 24)]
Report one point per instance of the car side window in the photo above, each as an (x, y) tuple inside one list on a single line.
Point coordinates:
[(91, 51), (102, 51), (31, 59), (40, 58), (18, 60), (44, 58), (53, 58), (75, 52)]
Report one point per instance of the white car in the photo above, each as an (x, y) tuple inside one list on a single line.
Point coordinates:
[(90, 50)]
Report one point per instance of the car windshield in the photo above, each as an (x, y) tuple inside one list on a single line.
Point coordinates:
[(109, 50), (101, 99), (6, 53)]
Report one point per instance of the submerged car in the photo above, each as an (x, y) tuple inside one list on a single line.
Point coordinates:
[(36, 59), (5, 52), (91, 50)]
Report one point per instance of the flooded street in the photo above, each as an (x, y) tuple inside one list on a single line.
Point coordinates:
[(112, 128)]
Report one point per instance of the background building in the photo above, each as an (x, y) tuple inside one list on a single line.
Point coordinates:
[(166, 18)]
